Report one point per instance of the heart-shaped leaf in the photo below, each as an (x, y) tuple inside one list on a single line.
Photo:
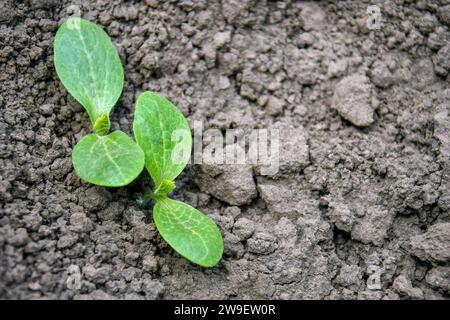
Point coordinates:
[(189, 232), (112, 160), (163, 133), (88, 65)]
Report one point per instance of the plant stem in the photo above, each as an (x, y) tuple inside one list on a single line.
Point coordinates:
[(157, 188)]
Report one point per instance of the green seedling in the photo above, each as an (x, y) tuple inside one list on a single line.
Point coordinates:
[(163, 133), (89, 67)]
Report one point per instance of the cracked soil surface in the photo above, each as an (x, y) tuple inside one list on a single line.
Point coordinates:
[(360, 206)]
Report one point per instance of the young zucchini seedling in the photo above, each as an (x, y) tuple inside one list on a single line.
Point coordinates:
[(163, 133), (90, 69)]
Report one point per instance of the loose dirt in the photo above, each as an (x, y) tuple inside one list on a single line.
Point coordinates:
[(359, 209)]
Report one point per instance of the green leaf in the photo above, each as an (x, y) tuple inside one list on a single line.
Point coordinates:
[(88, 65), (113, 160), (189, 232), (101, 125), (163, 133)]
